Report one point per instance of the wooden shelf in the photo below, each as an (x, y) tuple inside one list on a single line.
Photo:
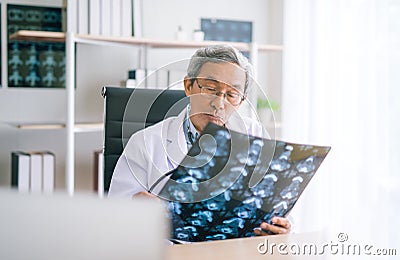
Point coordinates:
[(174, 43), (38, 126), (79, 127), (40, 36)]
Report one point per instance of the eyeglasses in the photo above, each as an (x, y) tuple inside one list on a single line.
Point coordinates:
[(210, 87)]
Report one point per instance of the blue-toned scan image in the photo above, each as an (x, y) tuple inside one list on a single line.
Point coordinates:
[(210, 196), (227, 30), (35, 64)]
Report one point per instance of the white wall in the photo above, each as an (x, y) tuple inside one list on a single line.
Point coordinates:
[(101, 65), (161, 18)]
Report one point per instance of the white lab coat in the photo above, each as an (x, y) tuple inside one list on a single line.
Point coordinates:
[(157, 150)]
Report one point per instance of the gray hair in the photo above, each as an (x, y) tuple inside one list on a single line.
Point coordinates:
[(218, 54)]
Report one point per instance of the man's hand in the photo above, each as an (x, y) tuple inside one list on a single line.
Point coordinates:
[(279, 226)]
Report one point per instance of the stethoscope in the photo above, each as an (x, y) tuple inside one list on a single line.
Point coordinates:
[(190, 140)]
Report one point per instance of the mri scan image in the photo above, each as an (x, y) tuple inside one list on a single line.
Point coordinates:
[(215, 200)]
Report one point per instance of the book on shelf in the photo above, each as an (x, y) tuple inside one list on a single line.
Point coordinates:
[(98, 174), (137, 18), (126, 18), (105, 18), (116, 18), (100, 17), (72, 18), (94, 17), (83, 16), (48, 166), (20, 171), (33, 171)]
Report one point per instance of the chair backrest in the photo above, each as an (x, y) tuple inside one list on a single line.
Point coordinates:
[(127, 110)]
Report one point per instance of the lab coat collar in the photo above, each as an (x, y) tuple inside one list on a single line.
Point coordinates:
[(175, 141)]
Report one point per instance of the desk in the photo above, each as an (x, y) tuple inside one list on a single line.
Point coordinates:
[(247, 248)]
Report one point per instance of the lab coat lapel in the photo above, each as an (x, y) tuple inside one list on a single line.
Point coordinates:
[(175, 141)]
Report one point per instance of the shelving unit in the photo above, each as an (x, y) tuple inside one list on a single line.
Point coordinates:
[(71, 40), (101, 40)]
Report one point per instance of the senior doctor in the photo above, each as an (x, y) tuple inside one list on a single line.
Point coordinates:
[(217, 81)]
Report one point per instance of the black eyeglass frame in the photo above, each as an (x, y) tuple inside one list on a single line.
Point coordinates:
[(217, 92)]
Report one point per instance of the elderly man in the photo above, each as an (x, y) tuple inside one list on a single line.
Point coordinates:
[(218, 78)]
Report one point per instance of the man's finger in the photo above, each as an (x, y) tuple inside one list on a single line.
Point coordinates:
[(274, 229), (283, 222)]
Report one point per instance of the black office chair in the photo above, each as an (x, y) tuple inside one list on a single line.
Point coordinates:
[(127, 110)]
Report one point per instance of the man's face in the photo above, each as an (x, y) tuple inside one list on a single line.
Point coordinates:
[(215, 93)]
